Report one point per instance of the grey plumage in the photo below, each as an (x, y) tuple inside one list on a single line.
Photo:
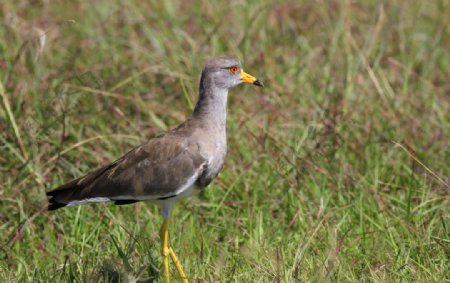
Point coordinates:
[(173, 164)]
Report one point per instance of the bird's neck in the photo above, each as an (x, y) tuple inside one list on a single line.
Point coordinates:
[(211, 106)]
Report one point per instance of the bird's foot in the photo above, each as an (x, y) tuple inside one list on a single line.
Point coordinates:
[(178, 266), (167, 251)]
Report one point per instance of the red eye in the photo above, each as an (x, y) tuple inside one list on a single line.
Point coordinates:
[(233, 70)]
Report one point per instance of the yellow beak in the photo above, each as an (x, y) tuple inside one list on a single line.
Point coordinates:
[(247, 78)]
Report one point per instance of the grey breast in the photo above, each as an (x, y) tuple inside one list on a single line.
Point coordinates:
[(213, 147)]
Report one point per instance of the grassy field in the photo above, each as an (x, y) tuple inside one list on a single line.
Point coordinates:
[(338, 170)]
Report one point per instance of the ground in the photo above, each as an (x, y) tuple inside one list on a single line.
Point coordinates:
[(337, 170)]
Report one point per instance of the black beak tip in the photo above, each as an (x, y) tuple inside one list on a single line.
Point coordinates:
[(259, 83)]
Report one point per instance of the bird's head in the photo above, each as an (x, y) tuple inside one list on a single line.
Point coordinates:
[(227, 72)]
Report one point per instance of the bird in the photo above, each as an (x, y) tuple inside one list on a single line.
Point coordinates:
[(169, 167)]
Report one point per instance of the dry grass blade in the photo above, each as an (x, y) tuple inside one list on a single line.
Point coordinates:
[(12, 120), (302, 249), (421, 164)]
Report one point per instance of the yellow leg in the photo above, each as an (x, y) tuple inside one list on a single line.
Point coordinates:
[(178, 265), (166, 251), (164, 236)]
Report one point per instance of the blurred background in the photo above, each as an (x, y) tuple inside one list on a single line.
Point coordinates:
[(337, 170)]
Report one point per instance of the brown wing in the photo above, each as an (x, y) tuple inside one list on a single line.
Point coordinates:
[(161, 168)]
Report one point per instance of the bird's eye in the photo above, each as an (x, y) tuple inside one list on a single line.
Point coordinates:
[(233, 70)]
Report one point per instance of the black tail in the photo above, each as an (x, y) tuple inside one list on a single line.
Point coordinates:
[(61, 196), (53, 204), (72, 191), (84, 189)]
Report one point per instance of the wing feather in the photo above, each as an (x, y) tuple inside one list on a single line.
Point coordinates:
[(161, 168)]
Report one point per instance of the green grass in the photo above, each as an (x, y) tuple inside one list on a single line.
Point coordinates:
[(337, 171)]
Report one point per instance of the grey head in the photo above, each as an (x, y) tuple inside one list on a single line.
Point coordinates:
[(225, 73), (218, 76)]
